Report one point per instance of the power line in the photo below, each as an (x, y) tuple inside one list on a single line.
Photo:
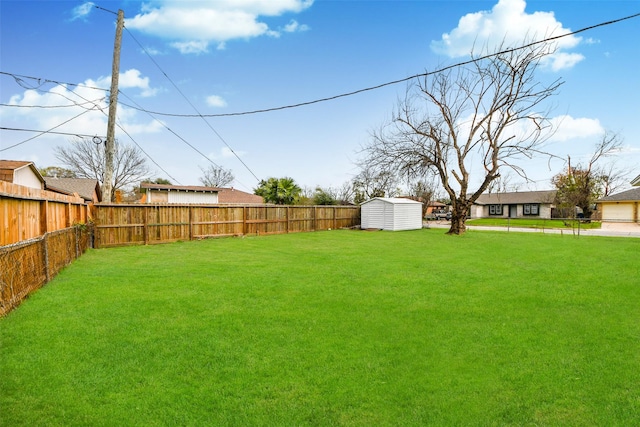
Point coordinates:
[(193, 106), (181, 138), (48, 131), (44, 132), (42, 81), (394, 82)]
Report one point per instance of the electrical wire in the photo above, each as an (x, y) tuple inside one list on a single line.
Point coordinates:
[(44, 132), (192, 106), (181, 138), (394, 82)]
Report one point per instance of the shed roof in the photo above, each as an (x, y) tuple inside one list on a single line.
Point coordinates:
[(8, 167), (517, 197), (632, 195), (393, 200), (83, 186)]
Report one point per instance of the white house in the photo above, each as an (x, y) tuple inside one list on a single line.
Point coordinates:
[(521, 204), (391, 213)]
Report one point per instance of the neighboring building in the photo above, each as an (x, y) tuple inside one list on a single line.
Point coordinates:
[(21, 173), (161, 193), (88, 189), (621, 207), (521, 204), (636, 181), (391, 213), (233, 196)]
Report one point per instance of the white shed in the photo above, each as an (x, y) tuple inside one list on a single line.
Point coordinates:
[(391, 213)]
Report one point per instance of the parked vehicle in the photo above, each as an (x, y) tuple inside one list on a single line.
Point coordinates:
[(442, 214)]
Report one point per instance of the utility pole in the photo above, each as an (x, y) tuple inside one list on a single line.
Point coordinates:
[(107, 188)]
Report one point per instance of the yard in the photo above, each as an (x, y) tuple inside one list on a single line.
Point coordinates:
[(333, 328)]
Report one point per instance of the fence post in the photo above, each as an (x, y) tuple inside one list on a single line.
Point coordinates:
[(315, 218), (145, 221), (190, 223), (335, 220), (286, 216), (45, 242), (244, 220)]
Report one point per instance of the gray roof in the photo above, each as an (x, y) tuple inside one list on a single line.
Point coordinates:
[(625, 196), (83, 186), (516, 198)]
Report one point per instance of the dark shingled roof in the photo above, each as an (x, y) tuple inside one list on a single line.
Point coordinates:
[(632, 195), (516, 198), (83, 186)]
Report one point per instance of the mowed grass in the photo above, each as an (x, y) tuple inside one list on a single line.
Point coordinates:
[(333, 328)]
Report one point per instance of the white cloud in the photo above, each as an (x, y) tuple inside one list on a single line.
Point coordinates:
[(193, 25), (568, 128), (216, 101), (507, 23), (293, 26), (130, 79), (82, 11), (76, 110)]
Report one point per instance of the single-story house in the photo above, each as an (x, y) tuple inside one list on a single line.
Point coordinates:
[(21, 173), (88, 189), (161, 193), (391, 213), (621, 207), (519, 204)]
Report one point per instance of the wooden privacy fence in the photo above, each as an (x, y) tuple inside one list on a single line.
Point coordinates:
[(26, 213), (26, 266), (135, 224)]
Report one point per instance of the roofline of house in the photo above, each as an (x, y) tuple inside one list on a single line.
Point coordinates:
[(186, 188)]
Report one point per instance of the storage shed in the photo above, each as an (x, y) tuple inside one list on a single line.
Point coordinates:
[(391, 213)]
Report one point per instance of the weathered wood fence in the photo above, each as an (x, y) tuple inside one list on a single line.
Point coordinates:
[(26, 213), (27, 265), (42, 231), (136, 224)]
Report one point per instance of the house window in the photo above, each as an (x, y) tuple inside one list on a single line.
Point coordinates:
[(531, 209), (495, 209)]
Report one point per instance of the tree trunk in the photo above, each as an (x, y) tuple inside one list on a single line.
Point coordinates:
[(458, 220)]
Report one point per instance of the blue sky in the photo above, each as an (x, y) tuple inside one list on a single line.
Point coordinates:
[(227, 56)]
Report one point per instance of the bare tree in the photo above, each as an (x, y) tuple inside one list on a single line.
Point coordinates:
[(472, 119), (374, 181), (86, 159), (216, 176)]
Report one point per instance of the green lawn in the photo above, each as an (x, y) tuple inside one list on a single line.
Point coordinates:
[(535, 223), (333, 328)]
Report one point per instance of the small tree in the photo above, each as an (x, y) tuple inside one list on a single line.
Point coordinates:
[(582, 185), (86, 160), (324, 196), (216, 176), (281, 191)]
